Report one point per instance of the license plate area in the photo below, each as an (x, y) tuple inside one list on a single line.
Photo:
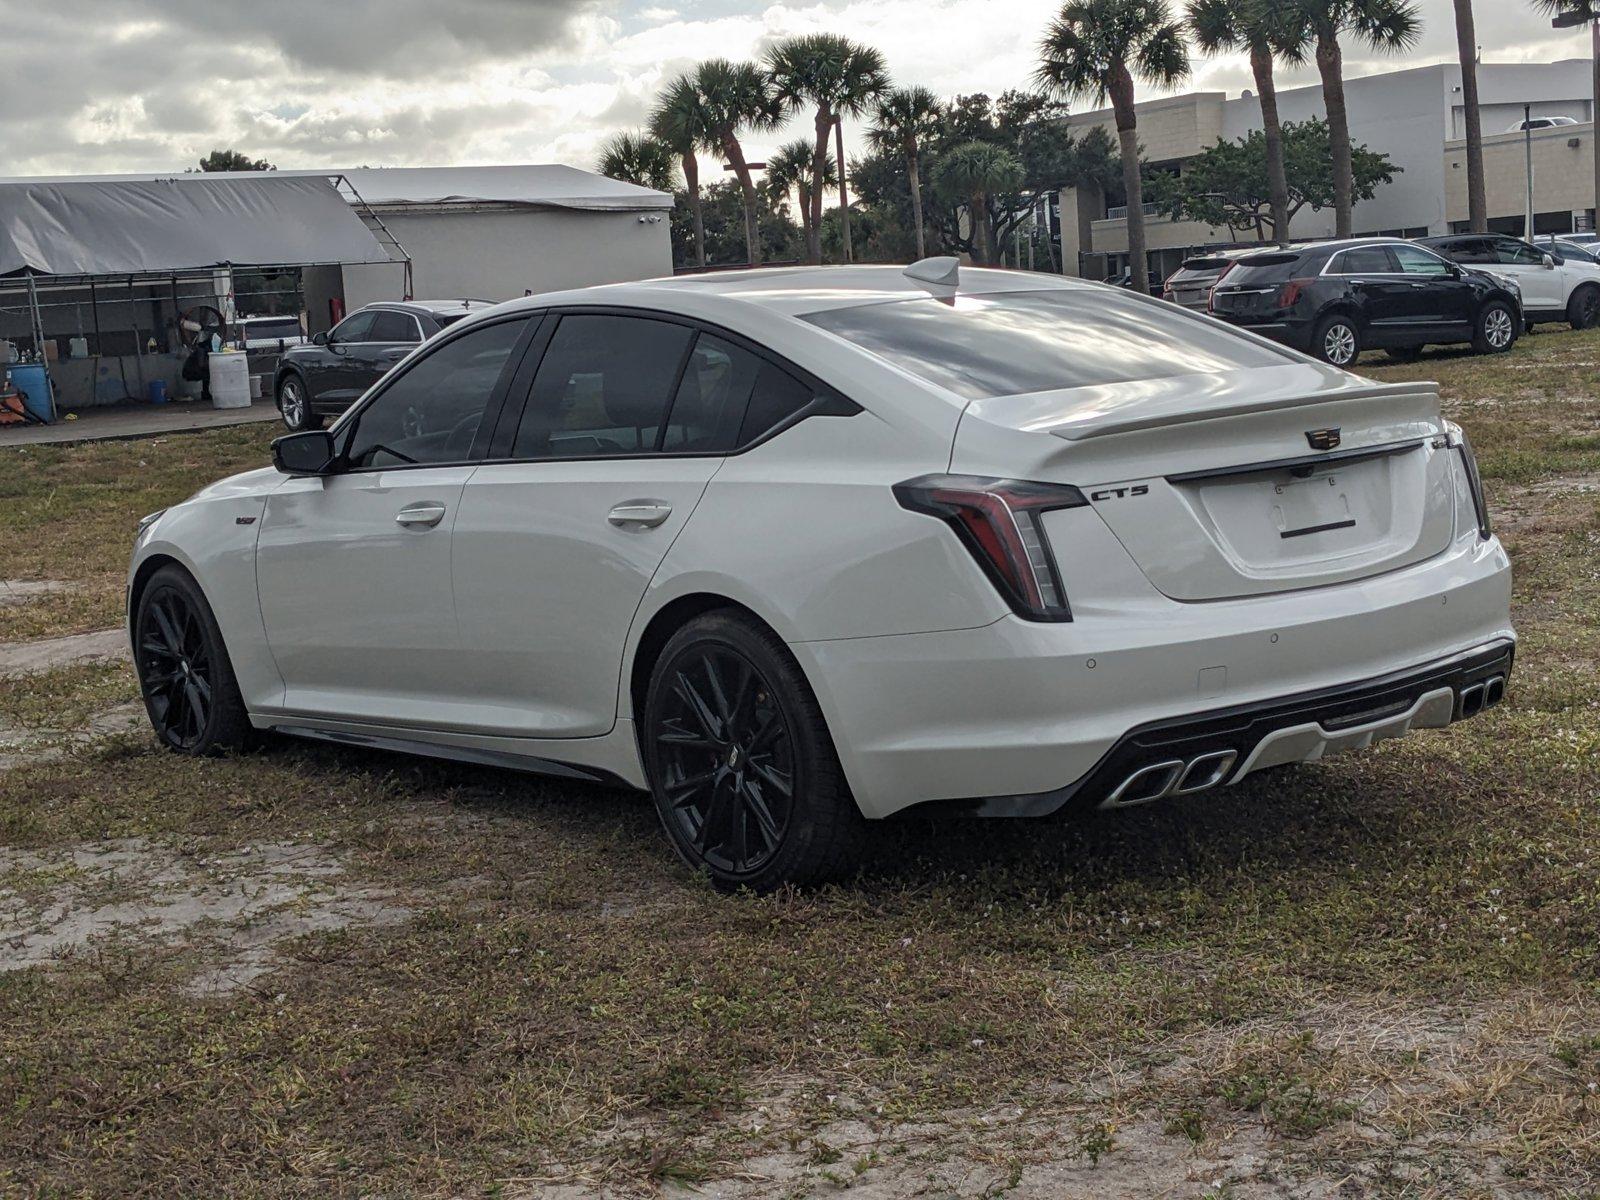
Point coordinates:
[(1308, 507)]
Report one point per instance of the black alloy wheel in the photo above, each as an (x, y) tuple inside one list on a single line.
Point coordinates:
[(1583, 310), (184, 674), (727, 760), (741, 766)]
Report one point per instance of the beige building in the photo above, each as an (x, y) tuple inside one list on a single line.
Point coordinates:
[(1414, 116)]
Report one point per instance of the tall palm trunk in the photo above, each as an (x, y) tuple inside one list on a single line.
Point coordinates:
[(691, 183), (1272, 128), (1330, 65), (819, 172), (747, 187), (844, 195), (982, 232), (913, 169), (1128, 140), (1467, 48)]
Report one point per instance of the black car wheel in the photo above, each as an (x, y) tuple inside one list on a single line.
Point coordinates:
[(744, 774), (1583, 309), (1496, 329), (294, 404), (1337, 341), (185, 675)]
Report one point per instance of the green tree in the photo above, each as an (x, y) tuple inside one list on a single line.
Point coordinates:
[(790, 170), (903, 121), (723, 212), (679, 122), (1390, 26), (735, 97), (1258, 27), (1095, 50), (1229, 184), (232, 160), (638, 158), (970, 174), (839, 78)]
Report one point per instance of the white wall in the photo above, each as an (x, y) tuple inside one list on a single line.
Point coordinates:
[(500, 253)]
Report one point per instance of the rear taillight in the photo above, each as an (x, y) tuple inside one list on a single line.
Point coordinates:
[(1469, 463), (998, 520), (1290, 292)]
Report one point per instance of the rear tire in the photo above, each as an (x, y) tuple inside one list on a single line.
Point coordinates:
[(1583, 308), (294, 404), (185, 675), (1337, 341), (742, 768), (1495, 331)]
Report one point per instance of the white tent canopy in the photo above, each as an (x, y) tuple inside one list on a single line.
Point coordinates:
[(112, 226)]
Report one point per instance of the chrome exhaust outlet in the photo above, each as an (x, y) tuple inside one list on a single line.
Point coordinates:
[(1494, 691), (1205, 772), (1472, 700), (1146, 784)]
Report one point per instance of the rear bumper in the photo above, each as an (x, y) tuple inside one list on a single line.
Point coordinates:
[(1022, 717), (1290, 333)]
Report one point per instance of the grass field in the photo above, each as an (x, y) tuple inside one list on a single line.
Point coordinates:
[(316, 971)]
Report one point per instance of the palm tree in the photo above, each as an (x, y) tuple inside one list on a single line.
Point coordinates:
[(640, 159), (679, 123), (1095, 49), (1467, 49), (1385, 25), (971, 173), (840, 78), (789, 170), (736, 96), (903, 120), (1257, 27)]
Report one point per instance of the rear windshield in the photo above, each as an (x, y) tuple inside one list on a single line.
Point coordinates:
[(1008, 343), (1203, 264), (445, 320), (1261, 269)]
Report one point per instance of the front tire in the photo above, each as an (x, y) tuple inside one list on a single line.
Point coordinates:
[(1496, 328), (185, 675), (742, 768), (1337, 341), (294, 404), (1583, 308)]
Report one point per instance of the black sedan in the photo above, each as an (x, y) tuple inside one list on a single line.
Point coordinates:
[(330, 372), (1336, 299)]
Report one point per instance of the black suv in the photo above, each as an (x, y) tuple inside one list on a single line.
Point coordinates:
[(1336, 299), (330, 372)]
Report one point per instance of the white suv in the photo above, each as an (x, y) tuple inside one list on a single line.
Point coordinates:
[(794, 549), (1554, 287)]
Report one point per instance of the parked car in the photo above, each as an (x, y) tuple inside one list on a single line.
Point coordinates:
[(331, 371), (798, 548), (1336, 299), (1554, 288), (1540, 123), (1190, 285), (1565, 247), (269, 333)]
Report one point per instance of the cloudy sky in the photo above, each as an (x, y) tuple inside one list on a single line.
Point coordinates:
[(144, 85)]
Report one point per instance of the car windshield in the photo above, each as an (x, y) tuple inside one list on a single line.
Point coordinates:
[(1009, 343), (1260, 270)]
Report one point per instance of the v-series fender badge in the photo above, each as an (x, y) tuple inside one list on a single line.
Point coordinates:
[(1138, 489)]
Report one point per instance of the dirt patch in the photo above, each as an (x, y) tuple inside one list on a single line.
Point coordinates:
[(28, 658), (232, 909), (22, 591)]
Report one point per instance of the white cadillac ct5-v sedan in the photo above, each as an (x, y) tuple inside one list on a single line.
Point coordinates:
[(799, 548)]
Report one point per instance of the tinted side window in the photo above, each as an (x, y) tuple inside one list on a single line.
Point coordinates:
[(354, 328), (1515, 253), (430, 414), (711, 400), (602, 388), (1415, 261), (1363, 260), (1469, 250), (777, 396), (394, 327)]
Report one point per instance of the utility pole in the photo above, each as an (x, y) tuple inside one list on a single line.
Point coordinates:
[(1587, 12), (1527, 159)]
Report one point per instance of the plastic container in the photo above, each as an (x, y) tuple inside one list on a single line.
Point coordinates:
[(78, 347), (158, 391), (230, 381), (30, 379), (255, 387)]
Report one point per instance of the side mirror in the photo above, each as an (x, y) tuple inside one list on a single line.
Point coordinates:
[(1558, 258), (308, 453), (1455, 271), (320, 339), (1549, 260)]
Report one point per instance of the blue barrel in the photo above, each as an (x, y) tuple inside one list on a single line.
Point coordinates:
[(158, 391), (34, 385)]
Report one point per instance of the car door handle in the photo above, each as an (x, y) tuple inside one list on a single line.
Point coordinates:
[(426, 515), (648, 513)]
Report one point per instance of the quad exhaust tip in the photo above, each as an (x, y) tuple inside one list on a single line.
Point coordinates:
[(1483, 695), (1171, 777)]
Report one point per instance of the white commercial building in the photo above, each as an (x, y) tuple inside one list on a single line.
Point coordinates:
[(1413, 116)]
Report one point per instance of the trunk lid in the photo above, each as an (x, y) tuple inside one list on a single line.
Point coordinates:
[(1238, 483)]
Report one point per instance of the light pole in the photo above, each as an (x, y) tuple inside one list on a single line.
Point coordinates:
[(1527, 162), (1583, 12)]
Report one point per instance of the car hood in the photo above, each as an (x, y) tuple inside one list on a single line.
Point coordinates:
[(247, 483)]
